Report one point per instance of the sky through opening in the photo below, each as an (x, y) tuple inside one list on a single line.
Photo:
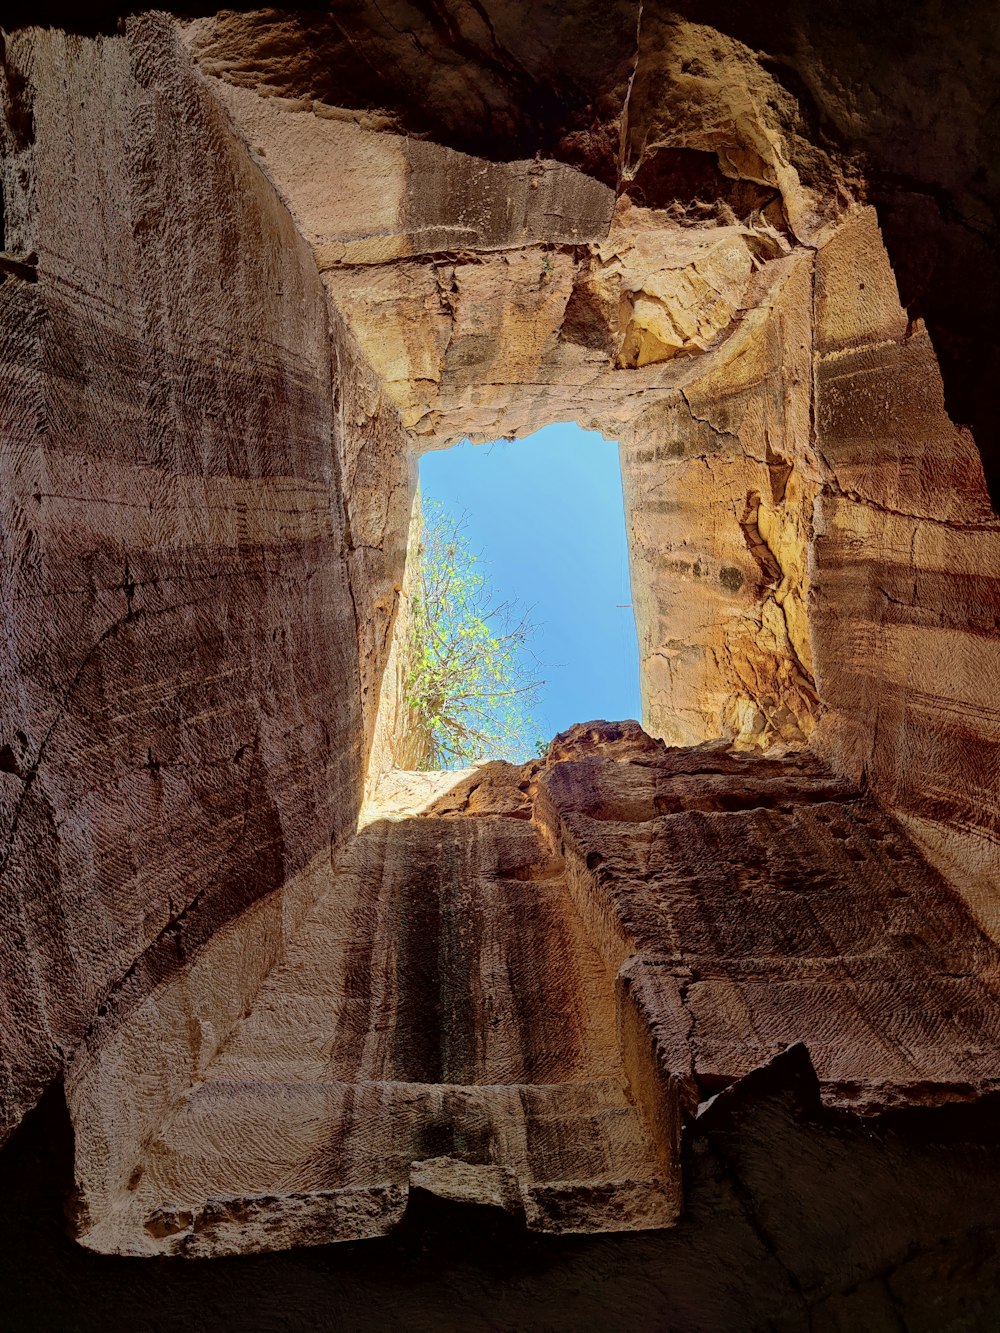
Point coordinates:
[(547, 516)]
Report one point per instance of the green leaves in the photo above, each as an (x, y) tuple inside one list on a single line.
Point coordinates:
[(470, 687)]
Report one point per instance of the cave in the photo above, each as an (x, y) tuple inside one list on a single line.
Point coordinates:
[(691, 1022)]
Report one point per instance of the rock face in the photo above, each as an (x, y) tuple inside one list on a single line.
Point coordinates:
[(519, 997), (792, 1214), (493, 297), (197, 574), (729, 320), (904, 566), (759, 902), (720, 481), (251, 265), (716, 103), (441, 1022)]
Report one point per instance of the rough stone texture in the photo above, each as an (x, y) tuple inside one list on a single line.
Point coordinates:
[(218, 286), (759, 119), (184, 716), (363, 195), (546, 304), (903, 570), (719, 353), (811, 536), (721, 104), (894, 91), (494, 297), (510, 79), (697, 94), (517, 997), (719, 484), (795, 1216), (441, 1022), (750, 903), (397, 742), (375, 485)]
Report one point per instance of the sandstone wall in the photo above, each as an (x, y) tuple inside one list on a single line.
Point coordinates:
[(492, 298), (398, 742), (722, 321), (719, 484), (904, 570), (184, 711), (520, 992), (812, 541), (790, 107), (870, 1224), (208, 487)]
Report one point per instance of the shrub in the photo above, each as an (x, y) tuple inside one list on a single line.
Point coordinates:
[(470, 686)]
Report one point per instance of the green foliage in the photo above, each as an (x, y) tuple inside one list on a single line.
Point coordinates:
[(470, 688)]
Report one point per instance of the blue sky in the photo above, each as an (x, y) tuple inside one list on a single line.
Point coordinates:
[(546, 514)]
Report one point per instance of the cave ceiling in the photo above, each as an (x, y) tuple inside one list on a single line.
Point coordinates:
[(884, 106)]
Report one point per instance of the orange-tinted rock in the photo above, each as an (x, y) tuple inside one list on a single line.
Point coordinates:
[(252, 265), (903, 565), (524, 1015), (441, 1015), (195, 616)]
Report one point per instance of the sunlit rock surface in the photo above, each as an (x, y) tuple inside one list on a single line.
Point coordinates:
[(184, 574), (521, 994), (252, 265)]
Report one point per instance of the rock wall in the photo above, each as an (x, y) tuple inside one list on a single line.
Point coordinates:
[(719, 484), (230, 306), (794, 1214), (520, 994), (441, 1025), (399, 743), (784, 108), (494, 297), (812, 541), (711, 116), (904, 573), (894, 92), (185, 707)]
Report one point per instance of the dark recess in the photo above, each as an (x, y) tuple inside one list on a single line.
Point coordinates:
[(691, 178)]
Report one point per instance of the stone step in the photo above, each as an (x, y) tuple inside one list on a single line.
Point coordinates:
[(567, 1157)]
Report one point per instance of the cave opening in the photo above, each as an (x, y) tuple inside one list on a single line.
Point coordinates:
[(548, 639)]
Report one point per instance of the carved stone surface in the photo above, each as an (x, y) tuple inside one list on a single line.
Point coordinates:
[(734, 1002), (195, 618), (441, 1003), (759, 902), (519, 996)]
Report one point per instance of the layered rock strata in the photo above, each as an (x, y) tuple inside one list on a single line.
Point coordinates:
[(491, 298), (709, 109), (752, 903), (442, 1023), (518, 997), (198, 554), (903, 566), (242, 284), (748, 347)]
